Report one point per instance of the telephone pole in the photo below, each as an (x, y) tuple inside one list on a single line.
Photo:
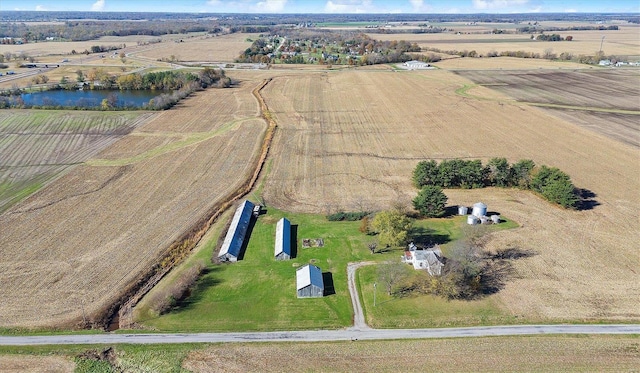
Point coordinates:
[(374, 293)]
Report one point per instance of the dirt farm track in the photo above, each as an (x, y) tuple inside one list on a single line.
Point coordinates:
[(346, 139)]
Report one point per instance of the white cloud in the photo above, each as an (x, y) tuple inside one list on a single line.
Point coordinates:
[(349, 6), (40, 8), (271, 6), (497, 4), (571, 10), (418, 6), (98, 6)]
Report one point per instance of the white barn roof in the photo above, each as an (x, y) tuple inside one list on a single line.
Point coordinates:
[(309, 275)]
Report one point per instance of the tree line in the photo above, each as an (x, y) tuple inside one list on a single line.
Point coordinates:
[(550, 182)]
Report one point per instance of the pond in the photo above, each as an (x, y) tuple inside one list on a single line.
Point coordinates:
[(89, 98)]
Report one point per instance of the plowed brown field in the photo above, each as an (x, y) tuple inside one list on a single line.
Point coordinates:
[(80, 243), (489, 354), (350, 140), (223, 48), (37, 145), (622, 42)]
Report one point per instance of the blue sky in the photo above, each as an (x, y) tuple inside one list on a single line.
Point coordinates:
[(327, 6)]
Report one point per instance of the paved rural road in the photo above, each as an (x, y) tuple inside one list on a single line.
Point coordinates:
[(322, 335)]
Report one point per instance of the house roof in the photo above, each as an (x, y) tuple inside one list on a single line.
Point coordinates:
[(309, 275), (427, 255)]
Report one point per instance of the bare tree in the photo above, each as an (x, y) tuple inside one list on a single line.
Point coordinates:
[(391, 273), (372, 247)]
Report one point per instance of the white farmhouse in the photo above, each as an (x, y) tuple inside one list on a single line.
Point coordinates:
[(428, 260)]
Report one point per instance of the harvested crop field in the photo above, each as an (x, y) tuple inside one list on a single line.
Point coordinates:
[(506, 63), (601, 88), (36, 364), (609, 97), (351, 141), (622, 42), (80, 243), (495, 354), (207, 48), (38, 145)]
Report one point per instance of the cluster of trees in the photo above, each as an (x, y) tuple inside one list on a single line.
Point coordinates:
[(105, 48), (536, 29), (550, 182), (40, 79), (467, 274), (552, 37), (160, 80), (84, 30), (258, 52), (424, 29), (565, 56), (181, 84), (340, 47)]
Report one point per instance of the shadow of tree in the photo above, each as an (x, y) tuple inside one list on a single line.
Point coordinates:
[(498, 269), (427, 237), (196, 294), (587, 199)]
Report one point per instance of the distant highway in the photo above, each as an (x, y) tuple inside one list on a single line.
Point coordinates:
[(351, 334)]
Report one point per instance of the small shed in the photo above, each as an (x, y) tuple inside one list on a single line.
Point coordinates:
[(283, 240), (309, 282), (473, 220), (230, 250)]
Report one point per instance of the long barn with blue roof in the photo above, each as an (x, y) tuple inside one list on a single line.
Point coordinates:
[(283, 240), (230, 250)]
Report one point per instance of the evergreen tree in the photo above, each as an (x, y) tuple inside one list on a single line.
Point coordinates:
[(430, 201)]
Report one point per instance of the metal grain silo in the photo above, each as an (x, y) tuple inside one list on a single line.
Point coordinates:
[(479, 209)]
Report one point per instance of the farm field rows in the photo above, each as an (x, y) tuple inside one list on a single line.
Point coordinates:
[(495, 354), (224, 48), (616, 91), (622, 42), (603, 88), (76, 246), (507, 63), (38, 145), (350, 140)]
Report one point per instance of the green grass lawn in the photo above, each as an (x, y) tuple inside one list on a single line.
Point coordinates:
[(258, 293), (424, 311)]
